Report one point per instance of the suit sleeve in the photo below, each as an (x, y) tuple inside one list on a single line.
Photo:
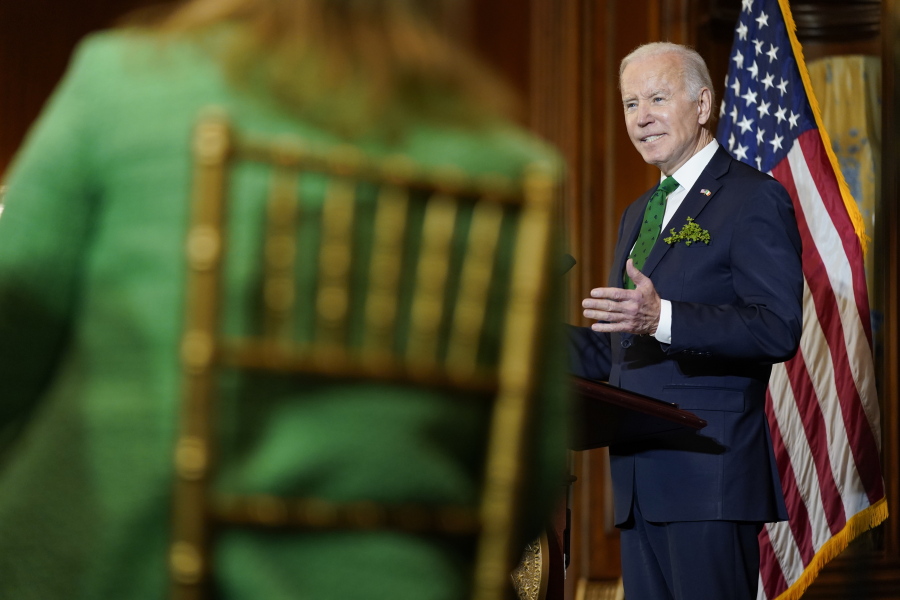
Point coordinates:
[(763, 321), (43, 237), (589, 353)]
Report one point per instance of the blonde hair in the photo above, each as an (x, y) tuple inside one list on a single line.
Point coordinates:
[(355, 64)]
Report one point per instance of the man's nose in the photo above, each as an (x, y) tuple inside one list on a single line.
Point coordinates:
[(644, 114)]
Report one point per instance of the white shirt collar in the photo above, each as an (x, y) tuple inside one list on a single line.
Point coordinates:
[(687, 176), (689, 172)]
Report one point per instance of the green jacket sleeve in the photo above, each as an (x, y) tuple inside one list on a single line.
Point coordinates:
[(43, 231)]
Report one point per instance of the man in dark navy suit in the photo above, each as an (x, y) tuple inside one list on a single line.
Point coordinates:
[(716, 300)]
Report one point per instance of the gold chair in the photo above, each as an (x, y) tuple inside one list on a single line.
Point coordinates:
[(453, 283)]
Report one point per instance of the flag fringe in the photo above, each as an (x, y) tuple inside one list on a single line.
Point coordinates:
[(859, 225), (861, 522)]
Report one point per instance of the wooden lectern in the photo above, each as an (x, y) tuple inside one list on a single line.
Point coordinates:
[(602, 415), (605, 415)]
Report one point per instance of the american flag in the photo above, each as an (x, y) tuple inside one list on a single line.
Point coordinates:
[(822, 405)]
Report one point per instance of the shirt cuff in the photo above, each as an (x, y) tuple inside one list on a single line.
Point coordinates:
[(664, 329)]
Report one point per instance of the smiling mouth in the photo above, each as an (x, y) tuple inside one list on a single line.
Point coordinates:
[(652, 138)]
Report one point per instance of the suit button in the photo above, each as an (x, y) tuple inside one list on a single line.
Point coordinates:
[(626, 343)]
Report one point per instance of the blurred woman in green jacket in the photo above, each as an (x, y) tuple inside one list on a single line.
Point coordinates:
[(92, 285)]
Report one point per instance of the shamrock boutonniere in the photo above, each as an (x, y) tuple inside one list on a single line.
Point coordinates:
[(690, 233)]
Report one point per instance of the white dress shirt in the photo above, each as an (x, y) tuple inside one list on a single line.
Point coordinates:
[(686, 176)]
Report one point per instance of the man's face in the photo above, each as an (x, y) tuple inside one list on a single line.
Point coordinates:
[(663, 123)]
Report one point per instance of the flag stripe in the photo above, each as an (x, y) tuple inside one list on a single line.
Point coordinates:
[(833, 202), (852, 270), (799, 523), (785, 553), (817, 438), (820, 378), (828, 379), (816, 236), (845, 283), (773, 581), (813, 450), (822, 405), (837, 258)]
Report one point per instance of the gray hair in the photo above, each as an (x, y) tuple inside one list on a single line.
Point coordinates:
[(695, 72)]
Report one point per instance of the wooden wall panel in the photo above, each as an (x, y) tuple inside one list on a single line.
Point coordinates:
[(501, 30), (576, 50)]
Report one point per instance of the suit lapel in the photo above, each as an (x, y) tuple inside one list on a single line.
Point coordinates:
[(630, 230), (691, 206)]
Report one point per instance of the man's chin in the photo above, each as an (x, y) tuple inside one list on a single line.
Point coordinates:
[(653, 158)]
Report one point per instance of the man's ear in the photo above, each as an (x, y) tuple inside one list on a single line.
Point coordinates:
[(704, 106)]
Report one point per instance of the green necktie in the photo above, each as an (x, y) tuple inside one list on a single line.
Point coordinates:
[(653, 217)]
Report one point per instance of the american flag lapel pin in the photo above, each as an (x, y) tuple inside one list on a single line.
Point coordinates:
[(706, 192)]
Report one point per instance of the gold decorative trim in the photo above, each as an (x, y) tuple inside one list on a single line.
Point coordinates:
[(314, 513), (530, 578)]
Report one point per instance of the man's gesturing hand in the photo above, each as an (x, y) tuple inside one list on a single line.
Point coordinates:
[(630, 311)]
